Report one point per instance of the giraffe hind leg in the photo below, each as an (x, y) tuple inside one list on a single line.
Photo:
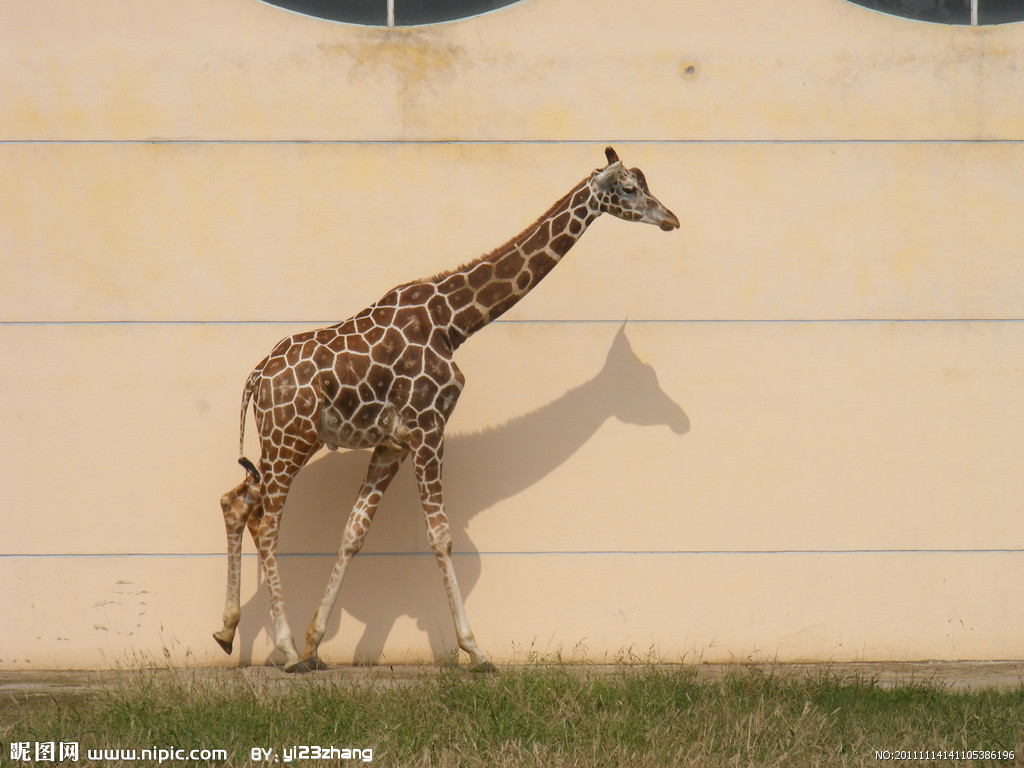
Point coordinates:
[(238, 506), (267, 546), (384, 465)]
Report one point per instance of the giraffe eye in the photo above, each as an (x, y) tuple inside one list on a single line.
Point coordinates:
[(629, 189)]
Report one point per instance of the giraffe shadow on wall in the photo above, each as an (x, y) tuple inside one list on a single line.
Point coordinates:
[(481, 470)]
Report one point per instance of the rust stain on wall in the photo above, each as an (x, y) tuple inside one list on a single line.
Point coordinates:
[(414, 57)]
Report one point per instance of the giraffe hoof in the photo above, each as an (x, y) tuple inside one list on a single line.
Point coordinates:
[(484, 668), (312, 664), (225, 644)]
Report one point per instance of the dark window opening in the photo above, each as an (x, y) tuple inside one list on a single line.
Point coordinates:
[(392, 13), (1000, 11), (974, 12)]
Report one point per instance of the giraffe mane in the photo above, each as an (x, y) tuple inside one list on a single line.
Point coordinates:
[(510, 243)]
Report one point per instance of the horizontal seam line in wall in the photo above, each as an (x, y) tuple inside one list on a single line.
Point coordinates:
[(544, 553), (630, 322), (504, 142)]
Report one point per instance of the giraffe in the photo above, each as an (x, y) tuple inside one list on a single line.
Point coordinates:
[(385, 379), (625, 390)]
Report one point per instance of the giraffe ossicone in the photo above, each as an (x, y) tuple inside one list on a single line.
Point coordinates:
[(386, 379)]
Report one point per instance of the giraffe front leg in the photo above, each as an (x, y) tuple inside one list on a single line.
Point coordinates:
[(441, 544), (237, 505), (384, 465), (428, 478)]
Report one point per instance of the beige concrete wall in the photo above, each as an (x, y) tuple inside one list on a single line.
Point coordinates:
[(806, 443)]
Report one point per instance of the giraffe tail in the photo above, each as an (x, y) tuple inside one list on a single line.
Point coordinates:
[(250, 386), (250, 468)]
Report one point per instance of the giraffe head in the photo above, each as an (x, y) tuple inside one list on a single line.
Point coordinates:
[(623, 193)]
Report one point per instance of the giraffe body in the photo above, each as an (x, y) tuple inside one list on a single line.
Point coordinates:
[(385, 379)]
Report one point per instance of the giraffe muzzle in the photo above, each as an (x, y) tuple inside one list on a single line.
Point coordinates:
[(657, 213), (669, 221)]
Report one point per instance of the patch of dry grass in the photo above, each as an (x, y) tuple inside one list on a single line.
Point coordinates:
[(543, 716)]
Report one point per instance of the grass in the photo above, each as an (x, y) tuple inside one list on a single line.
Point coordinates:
[(542, 716)]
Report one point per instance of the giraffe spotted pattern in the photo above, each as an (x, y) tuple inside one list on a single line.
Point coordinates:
[(385, 379)]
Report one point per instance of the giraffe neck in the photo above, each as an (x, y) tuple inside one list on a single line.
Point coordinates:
[(483, 290)]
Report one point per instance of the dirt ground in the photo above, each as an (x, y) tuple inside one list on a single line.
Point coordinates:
[(971, 675)]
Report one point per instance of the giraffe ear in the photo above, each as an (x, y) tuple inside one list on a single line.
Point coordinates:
[(610, 154), (606, 176)]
